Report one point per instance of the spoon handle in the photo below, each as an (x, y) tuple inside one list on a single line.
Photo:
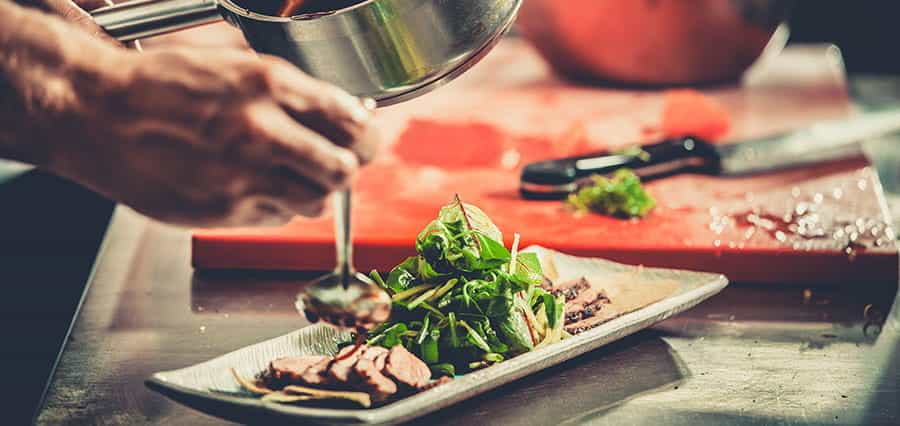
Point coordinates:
[(342, 234)]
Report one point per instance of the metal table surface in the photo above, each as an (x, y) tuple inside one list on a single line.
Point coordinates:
[(751, 355)]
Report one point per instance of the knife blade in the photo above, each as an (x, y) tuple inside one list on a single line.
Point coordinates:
[(823, 141)]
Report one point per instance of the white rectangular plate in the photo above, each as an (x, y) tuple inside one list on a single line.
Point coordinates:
[(210, 387)]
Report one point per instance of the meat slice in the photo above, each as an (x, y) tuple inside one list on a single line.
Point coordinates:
[(372, 381), (570, 289), (340, 369), (289, 370), (583, 299), (315, 374), (372, 353), (381, 360), (586, 305), (599, 313), (620, 294), (406, 368)]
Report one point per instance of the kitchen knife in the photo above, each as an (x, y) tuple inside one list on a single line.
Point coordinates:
[(823, 141)]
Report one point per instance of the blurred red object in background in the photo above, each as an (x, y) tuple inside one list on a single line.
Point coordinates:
[(653, 42), (691, 113)]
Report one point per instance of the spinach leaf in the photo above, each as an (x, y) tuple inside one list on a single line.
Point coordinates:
[(459, 304), (528, 268), (403, 276)]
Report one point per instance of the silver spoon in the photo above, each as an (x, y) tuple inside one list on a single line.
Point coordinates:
[(345, 298)]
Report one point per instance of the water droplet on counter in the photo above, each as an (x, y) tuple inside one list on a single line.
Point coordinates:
[(510, 158), (802, 226), (749, 232), (850, 252), (202, 329), (837, 193)]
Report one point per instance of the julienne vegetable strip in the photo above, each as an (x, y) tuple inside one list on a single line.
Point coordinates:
[(464, 301)]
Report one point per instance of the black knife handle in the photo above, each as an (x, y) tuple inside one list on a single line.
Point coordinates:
[(554, 179)]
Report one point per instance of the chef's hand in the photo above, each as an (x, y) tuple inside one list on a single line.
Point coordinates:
[(208, 137), (219, 34), (76, 11)]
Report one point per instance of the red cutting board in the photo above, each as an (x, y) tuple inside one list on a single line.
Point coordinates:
[(472, 137)]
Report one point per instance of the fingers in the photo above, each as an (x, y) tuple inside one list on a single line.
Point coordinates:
[(291, 192), (276, 198), (326, 109), (93, 4), (304, 152)]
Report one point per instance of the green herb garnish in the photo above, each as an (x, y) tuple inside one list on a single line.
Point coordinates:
[(465, 301), (621, 195)]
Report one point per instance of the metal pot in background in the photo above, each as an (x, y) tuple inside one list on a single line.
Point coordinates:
[(654, 42), (388, 50)]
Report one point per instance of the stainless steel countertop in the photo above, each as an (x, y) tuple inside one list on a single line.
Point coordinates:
[(751, 355)]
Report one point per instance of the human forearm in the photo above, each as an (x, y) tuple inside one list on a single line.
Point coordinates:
[(206, 137), (42, 61)]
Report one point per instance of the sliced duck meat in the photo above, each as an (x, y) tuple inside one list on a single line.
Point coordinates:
[(600, 312), (593, 302), (406, 368), (620, 295), (372, 353), (583, 299), (340, 369), (381, 360), (571, 289), (315, 374), (372, 381), (289, 370)]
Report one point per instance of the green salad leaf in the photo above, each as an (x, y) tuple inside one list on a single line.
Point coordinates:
[(621, 195), (465, 301)]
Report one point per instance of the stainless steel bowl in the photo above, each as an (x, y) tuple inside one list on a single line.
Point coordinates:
[(654, 42), (388, 50)]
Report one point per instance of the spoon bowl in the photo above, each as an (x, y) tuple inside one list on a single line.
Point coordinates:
[(349, 300)]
